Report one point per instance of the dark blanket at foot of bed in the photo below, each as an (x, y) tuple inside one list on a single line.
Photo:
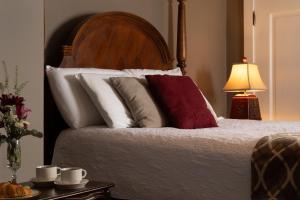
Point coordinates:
[(275, 168)]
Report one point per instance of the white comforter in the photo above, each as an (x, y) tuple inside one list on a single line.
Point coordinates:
[(169, 163)]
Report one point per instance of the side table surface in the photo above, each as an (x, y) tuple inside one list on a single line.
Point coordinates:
[(54, 193)]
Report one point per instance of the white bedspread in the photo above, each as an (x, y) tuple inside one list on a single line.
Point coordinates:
[(168, 163)]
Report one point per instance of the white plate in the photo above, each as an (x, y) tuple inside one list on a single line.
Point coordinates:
[(64, 186), (34, 194)]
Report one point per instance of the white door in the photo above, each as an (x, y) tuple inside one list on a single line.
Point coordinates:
[(273, 42)]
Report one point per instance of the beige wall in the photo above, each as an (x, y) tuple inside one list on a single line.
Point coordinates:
[(206, 23), (21, 43), (58, 12), (206, 60)]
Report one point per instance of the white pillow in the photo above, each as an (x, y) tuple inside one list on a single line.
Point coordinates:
[(142, 72), (210, 108), (71, 99), (208, 105), (106, 99)]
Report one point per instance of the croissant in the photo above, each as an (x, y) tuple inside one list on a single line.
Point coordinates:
[(11, 190)]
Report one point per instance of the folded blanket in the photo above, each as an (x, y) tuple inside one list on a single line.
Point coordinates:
[(275, 168)]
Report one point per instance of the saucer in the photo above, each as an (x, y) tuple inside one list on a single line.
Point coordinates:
[(60, 185), (38, 183)]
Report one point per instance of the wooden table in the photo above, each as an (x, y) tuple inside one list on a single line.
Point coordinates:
[(93, 190)]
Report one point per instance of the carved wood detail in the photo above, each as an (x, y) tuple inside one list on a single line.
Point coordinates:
[(117, 40)]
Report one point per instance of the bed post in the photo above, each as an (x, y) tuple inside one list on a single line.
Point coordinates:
[(181, 36)]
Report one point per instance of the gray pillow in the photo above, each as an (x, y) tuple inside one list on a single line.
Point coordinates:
[(135, 93)]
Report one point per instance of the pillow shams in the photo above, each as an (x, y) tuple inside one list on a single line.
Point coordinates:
[(106, 100), (135, 93), (209, 107), (71, 99), (181, 101)]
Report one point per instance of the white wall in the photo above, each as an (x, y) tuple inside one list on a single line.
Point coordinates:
[(21, 43)]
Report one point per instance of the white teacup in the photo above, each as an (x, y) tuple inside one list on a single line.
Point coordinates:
[(47, 172), (72, 175)]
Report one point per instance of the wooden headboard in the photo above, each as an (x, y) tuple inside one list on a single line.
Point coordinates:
[(113, 40)]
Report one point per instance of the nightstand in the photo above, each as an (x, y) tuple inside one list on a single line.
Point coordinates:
[(93, 190), (245, 107)]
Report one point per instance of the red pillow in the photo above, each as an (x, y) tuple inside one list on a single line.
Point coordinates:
[(181, 101)]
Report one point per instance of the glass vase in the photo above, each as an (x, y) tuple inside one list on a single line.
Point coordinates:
[(14, 158)]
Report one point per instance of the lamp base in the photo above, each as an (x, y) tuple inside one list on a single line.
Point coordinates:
[(245, 107)]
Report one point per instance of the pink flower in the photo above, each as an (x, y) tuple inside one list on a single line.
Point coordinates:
[(21, 111)]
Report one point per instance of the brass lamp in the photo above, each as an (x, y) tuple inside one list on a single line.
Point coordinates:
[(245, 78)]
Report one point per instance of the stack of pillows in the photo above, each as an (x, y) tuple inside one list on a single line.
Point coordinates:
[(129, 98)]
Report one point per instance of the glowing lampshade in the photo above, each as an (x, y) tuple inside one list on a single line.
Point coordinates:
[(244, 77)]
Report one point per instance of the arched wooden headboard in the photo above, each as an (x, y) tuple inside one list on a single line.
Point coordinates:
[(117, 40), (113, 40)]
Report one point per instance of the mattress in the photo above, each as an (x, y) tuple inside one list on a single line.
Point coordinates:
[(169, 163)]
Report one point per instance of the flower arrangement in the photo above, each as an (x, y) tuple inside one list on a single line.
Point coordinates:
[(13, 115)]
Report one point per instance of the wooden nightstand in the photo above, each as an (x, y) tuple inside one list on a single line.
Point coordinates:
[(245, 107), (93, 190)]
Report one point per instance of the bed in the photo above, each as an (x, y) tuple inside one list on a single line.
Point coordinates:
[(157, 163), (169, 163)]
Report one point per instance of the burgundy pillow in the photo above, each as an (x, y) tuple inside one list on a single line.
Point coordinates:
[(181, 101)]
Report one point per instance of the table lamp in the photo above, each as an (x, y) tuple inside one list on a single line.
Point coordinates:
[(245, 77)]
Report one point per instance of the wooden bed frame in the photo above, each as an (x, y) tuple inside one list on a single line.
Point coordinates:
[(113, 40)]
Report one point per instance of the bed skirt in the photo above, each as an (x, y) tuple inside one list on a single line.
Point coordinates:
[(275, 168)]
